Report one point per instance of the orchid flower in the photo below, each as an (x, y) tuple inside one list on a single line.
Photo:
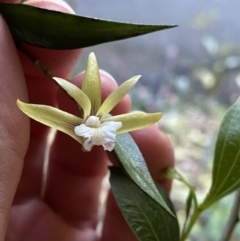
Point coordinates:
[(97, 126)]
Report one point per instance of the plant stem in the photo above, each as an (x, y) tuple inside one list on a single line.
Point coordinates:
[(40, 65), (233, 219), (192, 221), (192, 192)]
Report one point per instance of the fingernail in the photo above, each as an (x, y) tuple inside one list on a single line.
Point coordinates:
[(55, 5)]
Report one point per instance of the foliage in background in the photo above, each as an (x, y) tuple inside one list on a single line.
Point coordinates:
[(194, 112)]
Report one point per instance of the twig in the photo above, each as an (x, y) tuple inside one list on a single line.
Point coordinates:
[(40, 65), (233, 219)]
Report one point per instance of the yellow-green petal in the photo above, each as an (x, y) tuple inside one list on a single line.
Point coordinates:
[(135, 120), (52, 117), (77, 94), (91, 85), (112, 100)]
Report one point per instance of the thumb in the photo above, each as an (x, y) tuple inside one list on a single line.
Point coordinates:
[(14, 126)]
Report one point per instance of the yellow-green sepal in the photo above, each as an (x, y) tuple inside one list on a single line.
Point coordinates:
[(112, 100), (91, 85), (135, 120), (77, 94), (52, 117)]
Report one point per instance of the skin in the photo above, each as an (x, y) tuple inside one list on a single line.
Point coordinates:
[(68, 209)]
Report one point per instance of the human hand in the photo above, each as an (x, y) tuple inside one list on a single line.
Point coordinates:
[(68, 209)]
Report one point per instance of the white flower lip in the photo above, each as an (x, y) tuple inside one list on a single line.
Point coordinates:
[(96, 127), (96, 133)]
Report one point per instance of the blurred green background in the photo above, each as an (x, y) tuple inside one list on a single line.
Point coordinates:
[(190, 73)]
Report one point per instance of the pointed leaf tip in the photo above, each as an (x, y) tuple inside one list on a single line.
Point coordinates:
[(130, 158), (226, 166), (67, 31)]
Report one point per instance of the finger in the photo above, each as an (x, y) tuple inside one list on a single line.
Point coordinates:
[(158, 153), (14, 126), (43, 91), (75, 176)]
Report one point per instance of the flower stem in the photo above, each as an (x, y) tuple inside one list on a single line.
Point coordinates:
[(191, 223), (40, 65)]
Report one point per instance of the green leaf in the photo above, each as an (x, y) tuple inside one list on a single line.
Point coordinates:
[(56, 30), (148, 220), (188, 204), (226, 166), (188, 207), (130, 158)]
